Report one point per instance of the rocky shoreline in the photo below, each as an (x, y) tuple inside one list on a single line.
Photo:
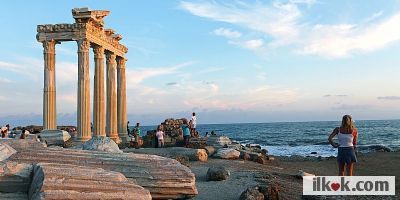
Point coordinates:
[(214, 168)]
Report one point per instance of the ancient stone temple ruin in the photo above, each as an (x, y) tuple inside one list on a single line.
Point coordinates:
[(89, 32)]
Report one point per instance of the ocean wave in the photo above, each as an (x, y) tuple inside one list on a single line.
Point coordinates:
[(322, 150)]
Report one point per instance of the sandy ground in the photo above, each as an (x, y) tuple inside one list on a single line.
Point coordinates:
[(281, 170)]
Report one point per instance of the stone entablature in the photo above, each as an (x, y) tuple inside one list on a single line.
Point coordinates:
[(77, 31)]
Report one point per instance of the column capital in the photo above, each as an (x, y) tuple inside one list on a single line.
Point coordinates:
[(83, 45), (98, 51), (110, 56), (121, 62), (49, 46)]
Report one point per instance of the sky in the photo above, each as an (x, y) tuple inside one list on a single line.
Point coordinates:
[(228, 61)]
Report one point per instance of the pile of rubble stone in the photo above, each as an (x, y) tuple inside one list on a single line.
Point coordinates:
[(173, 134)]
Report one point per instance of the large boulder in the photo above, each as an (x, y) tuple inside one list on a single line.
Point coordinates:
[(218, 141), (252, 156), (62, 181), (6, 151), (271, 191), (217, 174), (101, 144), (227, 153), (210, 150), (252, 193), (54, 137), (15, 177)]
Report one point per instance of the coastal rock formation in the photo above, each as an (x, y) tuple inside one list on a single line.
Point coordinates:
[(62, 181), (101, 144), (227, 153), (173, 134), (165, 178), (54, 137), (173, 152), (252, 156), (217, 174), (218, 141), (15, 177), (6, 151)]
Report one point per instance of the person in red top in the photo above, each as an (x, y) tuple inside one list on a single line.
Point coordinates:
[(347, 141)]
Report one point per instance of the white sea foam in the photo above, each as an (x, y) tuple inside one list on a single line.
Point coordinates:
[(307, 150)]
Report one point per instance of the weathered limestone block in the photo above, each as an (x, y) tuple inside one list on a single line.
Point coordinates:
[(54, 137), (173, 152), (14, 196), (165, 178), (26, 144), (62, 181), (218, 141), (226, 153), (6, 151), (210, 150), (101, 144), (15, 177)]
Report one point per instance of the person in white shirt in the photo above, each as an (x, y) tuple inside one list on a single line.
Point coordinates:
[(160, 136), (194, 123)]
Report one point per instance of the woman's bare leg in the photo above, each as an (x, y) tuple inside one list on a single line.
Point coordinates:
[(341, 169), (349, 169)]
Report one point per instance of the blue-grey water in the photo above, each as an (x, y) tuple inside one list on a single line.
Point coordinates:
[(302, 138)]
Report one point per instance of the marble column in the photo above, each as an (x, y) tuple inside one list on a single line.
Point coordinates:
[(121, 97), (99, 120), (111, 117), (49, 89), (84, 132)]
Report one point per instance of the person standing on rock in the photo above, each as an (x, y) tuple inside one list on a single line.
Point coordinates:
[(186, 132), (127, 128), (137, 133), (160, 136), (194, 123)]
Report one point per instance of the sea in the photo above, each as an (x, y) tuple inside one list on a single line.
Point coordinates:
[(306, 138)]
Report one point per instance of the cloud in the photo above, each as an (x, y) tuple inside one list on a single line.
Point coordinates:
[(262, 76), (283, 24), (249, 44), (5, 80), (172, 83), (351, 107), (211, 70), (335, 95), (389, 98), (138, 75), (3, 98), (277, 20), (342, 40), (226, 32)]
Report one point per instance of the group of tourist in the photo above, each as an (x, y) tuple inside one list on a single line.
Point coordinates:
[(7, 133), (135, 134), (188, 130)]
